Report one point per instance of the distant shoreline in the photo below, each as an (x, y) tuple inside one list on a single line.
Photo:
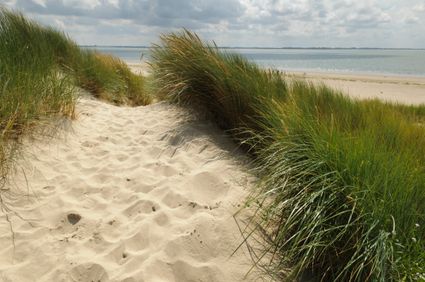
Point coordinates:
[(369, 74), (414, 78), (265, 48), (382, 62), (408, 90)]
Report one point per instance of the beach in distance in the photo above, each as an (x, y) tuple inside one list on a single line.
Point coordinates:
[(398, 62), (394, 88), (390, 75)]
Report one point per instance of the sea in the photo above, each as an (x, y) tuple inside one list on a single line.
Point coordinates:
[(402, 62)]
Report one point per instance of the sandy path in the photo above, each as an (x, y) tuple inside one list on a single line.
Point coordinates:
[(155, 189)]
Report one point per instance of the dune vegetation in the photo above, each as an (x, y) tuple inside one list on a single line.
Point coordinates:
[(41, 70), (342, 182)]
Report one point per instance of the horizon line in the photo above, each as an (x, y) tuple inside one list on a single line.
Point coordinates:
[(271, 48)]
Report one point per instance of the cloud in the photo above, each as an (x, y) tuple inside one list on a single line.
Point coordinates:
[(165, 13), (419, 8), (238, 22)]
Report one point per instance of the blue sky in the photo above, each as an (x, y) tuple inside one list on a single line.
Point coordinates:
[(271, 23)]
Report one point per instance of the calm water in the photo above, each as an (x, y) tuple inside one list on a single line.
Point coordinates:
[(399, 62)]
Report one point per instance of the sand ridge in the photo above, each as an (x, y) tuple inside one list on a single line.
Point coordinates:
[(132, 194)]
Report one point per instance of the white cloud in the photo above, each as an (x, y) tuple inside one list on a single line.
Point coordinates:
[(419, 8), (90, 4), (238, 22)]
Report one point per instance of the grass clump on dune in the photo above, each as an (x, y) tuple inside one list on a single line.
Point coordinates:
[(40, 69), (342, 182), (32, 85), (110, 79)]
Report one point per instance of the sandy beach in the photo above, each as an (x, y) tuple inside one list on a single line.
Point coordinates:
[(127, 194), (139, 68), (398, 89), (408, 90)]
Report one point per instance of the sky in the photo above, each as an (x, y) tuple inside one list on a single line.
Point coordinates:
[(247, 23)]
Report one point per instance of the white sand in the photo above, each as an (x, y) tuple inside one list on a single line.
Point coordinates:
[(139, 68), (155, 188)]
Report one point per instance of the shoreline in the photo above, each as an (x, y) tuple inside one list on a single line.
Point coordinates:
[(397, 89), (409, 90), (363, 77)]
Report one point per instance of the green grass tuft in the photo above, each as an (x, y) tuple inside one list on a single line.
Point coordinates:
[(342, 182), (40, 69), (110, 79), (32, 85)]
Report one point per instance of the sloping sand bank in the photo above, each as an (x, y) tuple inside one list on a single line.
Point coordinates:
[(130, 194)]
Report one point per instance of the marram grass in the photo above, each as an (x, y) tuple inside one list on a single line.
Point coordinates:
[(32, 86), (110, 79), (342, 182), (40, 70)]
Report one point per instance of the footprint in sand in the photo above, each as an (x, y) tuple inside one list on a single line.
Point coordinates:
[(88, 272), (124, 207), (73, 218)]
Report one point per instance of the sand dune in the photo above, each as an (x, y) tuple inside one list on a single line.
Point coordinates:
[(130, 194)]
